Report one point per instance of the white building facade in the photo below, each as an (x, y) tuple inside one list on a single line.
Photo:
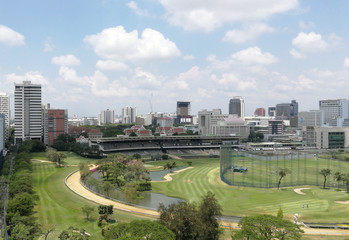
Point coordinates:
[(5, 109), (28, 112), (333, 110), (106, 117), (129, 115)]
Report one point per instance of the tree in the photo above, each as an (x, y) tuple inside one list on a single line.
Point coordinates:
[(133, 134), (345, 179), (139, 229), (190, 222), (107, 186), (87, 210), (209, 210), (55, 156), (282, 172), (170, 166), (105, 210), (325, 172), (21, 232), (267, 227), (182, 219), (22, 203), (338, 177)]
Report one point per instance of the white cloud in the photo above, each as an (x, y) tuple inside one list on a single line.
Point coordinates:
[(297, 54), (346, 62), (48, 45), (133, 5), (230, 79), (206, 15), (306, 25), (145, 80), (102, 87), (10, 37), (311, 42), (115, 43), (67, 60), (110, 65), (254, 55), (188, 57), (249, 32), (69, 75)]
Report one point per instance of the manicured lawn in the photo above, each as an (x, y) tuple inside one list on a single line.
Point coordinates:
[(58, 207), (241, 201), (304, 171)]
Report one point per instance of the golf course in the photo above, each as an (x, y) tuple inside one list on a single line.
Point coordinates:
[(59, 208)]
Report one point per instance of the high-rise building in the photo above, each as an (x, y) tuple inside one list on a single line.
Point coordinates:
[(2, 133), (271, 111), (183, 112), (106, 117), (311, 119), (237, 107), (5, 109), (260, 112), (28, 112), (287, 110), (334, 109), (129, 115), (55, 124)]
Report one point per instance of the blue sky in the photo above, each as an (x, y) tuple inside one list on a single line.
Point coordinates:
[(93, 55)]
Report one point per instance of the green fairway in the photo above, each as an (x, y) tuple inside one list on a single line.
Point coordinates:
[(241, 201), (58, 207)]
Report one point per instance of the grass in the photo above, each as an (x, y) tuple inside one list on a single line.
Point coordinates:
[(262, 173), (60, 208), (241, 201)]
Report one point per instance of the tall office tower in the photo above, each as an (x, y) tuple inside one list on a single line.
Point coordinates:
[(237, 106), (28, 112), (287, 110), (183, 112), (5, 109), (129, 115), (55, 124), (260, 112), (2, 133), (334, 109), (271, 111), (106, 117), (294, 108)]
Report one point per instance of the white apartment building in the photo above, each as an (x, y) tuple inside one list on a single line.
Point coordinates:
[(334, 109), (28, 112), (129, 115), (106, 117), (311, 119), (5, 109)]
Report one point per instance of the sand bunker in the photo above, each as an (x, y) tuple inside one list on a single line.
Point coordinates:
[(299, 191)]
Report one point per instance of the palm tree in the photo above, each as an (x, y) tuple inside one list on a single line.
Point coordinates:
[(338, 177), (325, 172), (282, 172)]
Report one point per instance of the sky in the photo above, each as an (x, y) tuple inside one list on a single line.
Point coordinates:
[(108, 54)]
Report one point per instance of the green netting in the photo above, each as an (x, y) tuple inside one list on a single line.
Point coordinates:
[(262, 169)]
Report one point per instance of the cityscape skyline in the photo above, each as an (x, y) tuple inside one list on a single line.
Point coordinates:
[(150, 54)]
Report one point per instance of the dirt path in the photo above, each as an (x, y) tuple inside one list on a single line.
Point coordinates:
[(73, 183), (168, 177), (299, 191)]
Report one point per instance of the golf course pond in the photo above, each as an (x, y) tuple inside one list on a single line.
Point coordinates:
[(147, 199)]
